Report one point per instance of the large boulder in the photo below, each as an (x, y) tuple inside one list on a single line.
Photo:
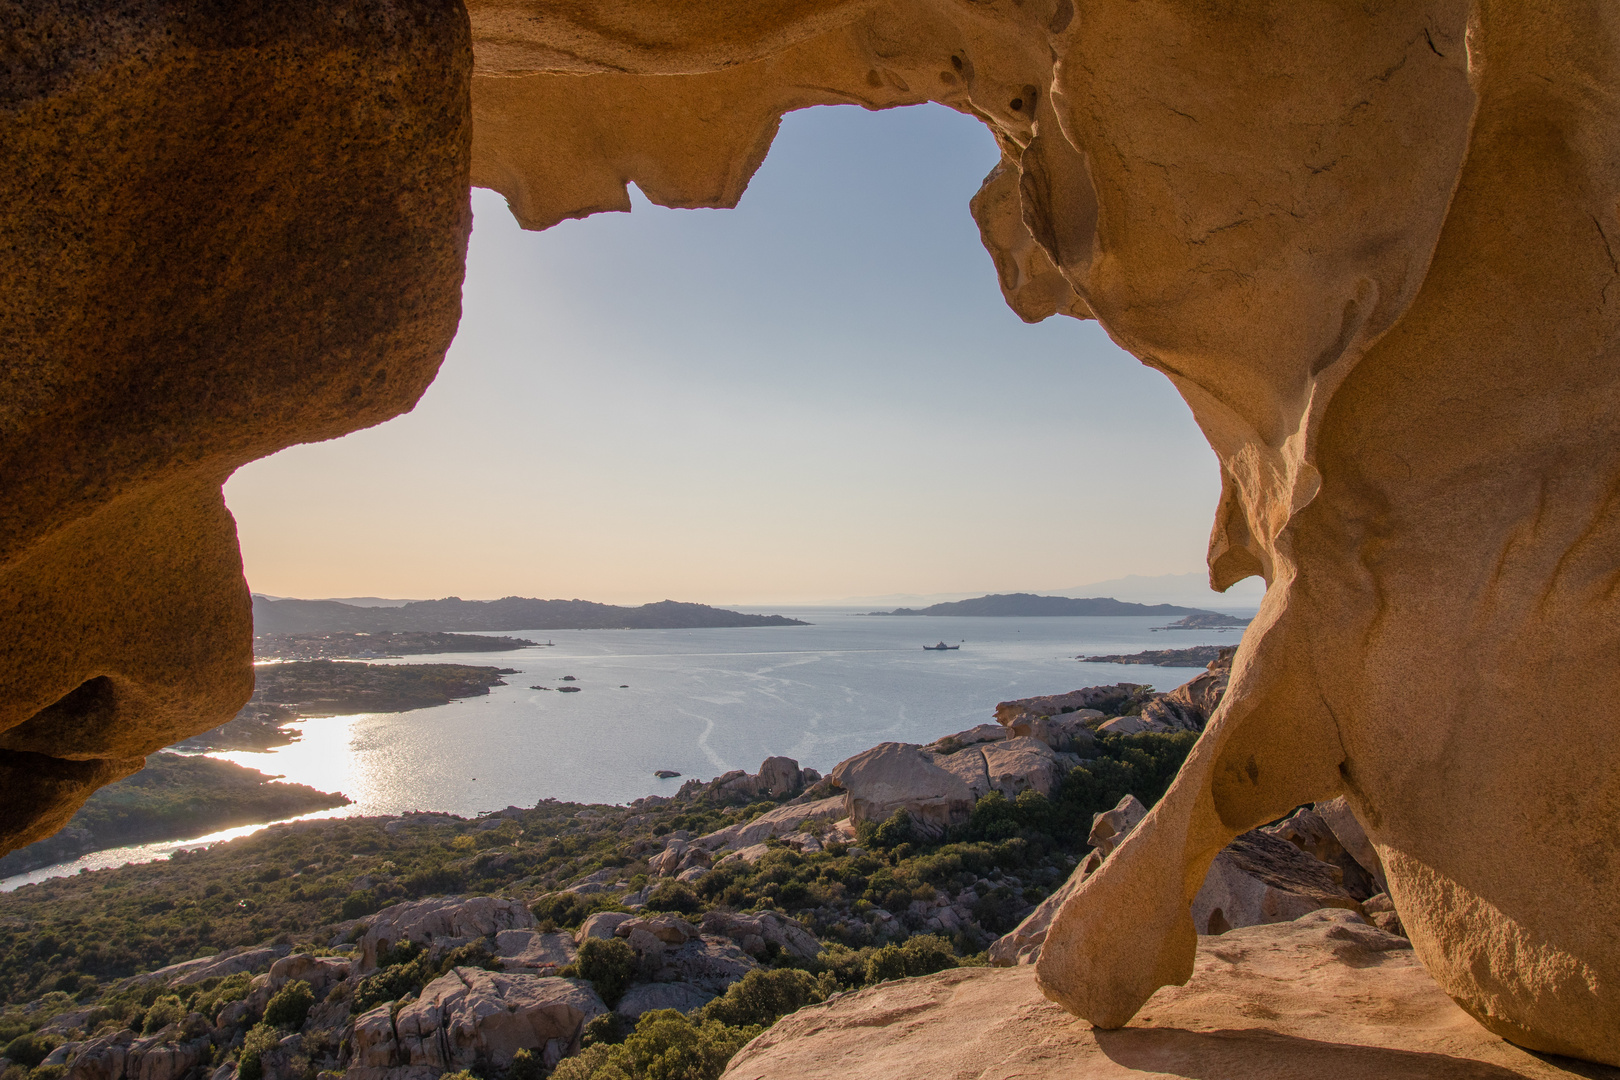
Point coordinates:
[(1352, 836), (645, 997), (1323, 996), (779, 822), (321, 972), (469, 1018), (779, 776), (534, 953), (755, 934), (1260, 878), (441, 923), (900, 776)]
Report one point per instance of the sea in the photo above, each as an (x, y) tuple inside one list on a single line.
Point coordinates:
[(695, 702)]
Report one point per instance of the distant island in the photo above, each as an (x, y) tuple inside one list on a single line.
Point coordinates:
[(1207, 620), (511, 613), (1013, 605), (307, 688), (337, 644), (172, 798), (1197, 656)]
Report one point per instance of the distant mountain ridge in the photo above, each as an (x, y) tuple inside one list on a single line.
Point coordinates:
[(1013, 605), (509, 613)]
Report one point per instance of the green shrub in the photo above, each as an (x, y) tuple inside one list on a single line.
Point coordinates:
[(261, 1039), (608, 1028), (666, 1046), (672, 895), (227, 990), (394, 981), (359, 904), (166, 1010), (49, 1072), (921, 955), (526, 1065), (607, 963), (290, 1005), (568, 909), (762, 997), (31, 1049)]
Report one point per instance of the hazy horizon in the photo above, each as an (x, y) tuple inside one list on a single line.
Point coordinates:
[(817, 396)]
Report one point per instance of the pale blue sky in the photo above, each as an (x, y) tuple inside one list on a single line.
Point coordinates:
[(819, 394)]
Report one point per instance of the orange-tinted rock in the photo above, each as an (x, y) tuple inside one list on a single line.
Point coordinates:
[(227, 228)]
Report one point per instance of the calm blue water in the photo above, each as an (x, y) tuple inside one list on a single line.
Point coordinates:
[(705, 701), (696, 701)]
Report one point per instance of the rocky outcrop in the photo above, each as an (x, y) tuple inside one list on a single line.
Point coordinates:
[(1309, 831), (534, 953), (1013, 714), (1324, 996), (469, 1018), (441, 923), (166, 1055), (898, 776), (773, 823), (1259, 879), (757, 934)]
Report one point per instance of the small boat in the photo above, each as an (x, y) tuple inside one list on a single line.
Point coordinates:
[(941, 647)]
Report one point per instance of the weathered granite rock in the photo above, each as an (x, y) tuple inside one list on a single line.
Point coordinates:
[(1258, 879), (1350, 833), (534, 953), (441, 923), (229, 227), (321, 972), (780, 776), (755, 933), (1309, 831), (645, 997), (1325, 996), (899, 776), (601, 925), (468, 1018)]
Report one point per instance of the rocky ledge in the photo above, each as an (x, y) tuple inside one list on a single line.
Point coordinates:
[(1322, 996)]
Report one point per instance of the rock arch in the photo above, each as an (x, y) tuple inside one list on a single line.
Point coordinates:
[(1370, 244)]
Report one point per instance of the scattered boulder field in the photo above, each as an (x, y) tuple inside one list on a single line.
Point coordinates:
[(548, 941)]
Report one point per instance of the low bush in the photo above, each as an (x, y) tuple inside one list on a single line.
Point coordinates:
[(290, 1005), (607, 964), (260, 1040), (666, 1045), (762, 997)]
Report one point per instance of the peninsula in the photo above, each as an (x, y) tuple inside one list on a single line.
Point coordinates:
[(510, 613), (1018, 605), (173, 798), (1197, 656), (334, 645), (298, 690)]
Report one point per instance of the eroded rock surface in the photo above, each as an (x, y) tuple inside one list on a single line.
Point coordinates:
[(1323, 996), (228, 228), (1370, 245)]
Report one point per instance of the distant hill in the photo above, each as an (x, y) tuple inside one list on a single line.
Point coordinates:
[(511, 613), (1009, 605)]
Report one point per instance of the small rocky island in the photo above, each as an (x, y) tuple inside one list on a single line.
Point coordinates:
[(1197, 656), (308, 688)]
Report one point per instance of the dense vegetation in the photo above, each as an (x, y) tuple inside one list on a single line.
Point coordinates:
[(64, 942), (172, 798)]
